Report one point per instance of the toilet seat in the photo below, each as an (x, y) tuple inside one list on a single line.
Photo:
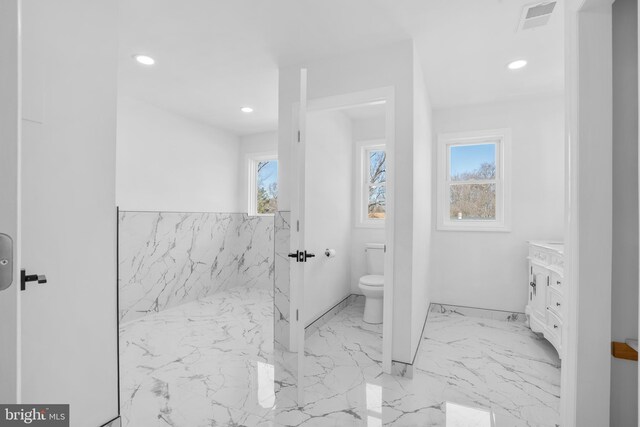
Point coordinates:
[(373, 280)]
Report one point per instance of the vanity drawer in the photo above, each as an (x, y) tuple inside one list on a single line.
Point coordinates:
[(554, 302), (556, 281), (554, 329)]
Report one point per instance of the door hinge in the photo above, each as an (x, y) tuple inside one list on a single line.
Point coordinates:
[(547, 280), (296, 315), (298, 225), (385, 249), (298, 136)]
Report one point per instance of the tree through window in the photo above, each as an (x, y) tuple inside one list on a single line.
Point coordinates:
[(267, 187), (472, 188), (473, 180), (377, 203), (371, 183)]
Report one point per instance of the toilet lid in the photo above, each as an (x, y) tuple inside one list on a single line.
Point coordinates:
[(372, 280)]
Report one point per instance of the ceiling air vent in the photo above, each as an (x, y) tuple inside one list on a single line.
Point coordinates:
[(536, 15)]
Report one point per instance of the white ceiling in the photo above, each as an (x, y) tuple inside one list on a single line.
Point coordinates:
[(215, 56)]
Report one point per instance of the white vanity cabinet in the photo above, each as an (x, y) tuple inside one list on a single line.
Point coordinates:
[(545, 305)]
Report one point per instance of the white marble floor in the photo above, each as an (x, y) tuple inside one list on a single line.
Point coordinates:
[(210, 363), (204, 363), (470, 371)]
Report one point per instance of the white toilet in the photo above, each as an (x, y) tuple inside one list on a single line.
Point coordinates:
[(372, 285)]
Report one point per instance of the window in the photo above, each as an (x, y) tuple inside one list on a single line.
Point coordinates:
[(263, 184), (371, 183), (473, 181)]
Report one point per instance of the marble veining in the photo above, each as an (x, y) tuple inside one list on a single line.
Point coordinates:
[(167, 258), (469, 370), (211, 363), (329, 314), (203, 363), (282, 293)]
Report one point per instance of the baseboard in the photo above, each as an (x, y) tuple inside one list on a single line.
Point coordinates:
[(329, 314), (484, 313), (116, 422)]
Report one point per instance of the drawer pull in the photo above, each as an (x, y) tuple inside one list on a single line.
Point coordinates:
[(558, 282), (557, 304), (555, 326)]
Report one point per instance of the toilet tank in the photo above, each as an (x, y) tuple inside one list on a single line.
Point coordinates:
[(374, 253)]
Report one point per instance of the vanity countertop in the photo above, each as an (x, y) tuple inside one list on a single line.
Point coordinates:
[(554, 246)]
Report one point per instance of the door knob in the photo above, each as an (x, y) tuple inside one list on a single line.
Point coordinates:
[(301, 256)]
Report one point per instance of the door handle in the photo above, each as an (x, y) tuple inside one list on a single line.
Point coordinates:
[(6, 261), (301, 256), (25, 278)]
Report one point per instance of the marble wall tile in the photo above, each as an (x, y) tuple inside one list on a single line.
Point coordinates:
[(254, 243), (169, 258), (282, 292)]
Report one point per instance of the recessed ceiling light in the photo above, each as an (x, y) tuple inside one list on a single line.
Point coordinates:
[(515, 65), (246, 110), (144, 59)]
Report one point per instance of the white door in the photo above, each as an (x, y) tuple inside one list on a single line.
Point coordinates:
[(298, 241), (57, 183)]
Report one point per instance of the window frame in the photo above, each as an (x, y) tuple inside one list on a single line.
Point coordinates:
[(502, 139), (252, 178), (362, 184)]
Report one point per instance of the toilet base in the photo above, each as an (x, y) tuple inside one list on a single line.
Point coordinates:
[(372, 310)]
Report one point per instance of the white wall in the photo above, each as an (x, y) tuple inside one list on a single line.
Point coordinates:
[(261, 143), (363, 130), (422, 201), (368, 128), (166, 162), (388, 66), (489, 269), (624, 281), (328, 210)]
